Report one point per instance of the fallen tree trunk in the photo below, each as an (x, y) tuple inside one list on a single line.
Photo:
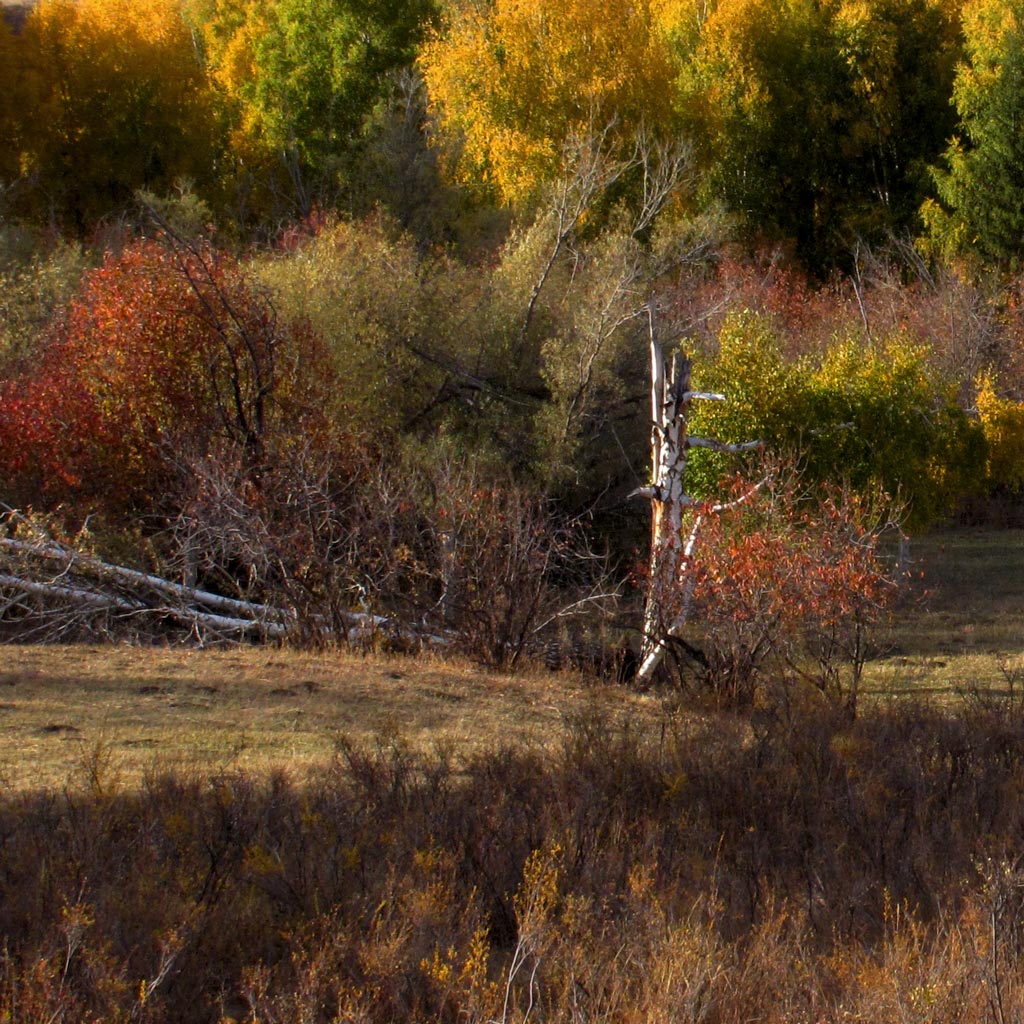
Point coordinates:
[(193, 618), (83, 583), (135, 579)]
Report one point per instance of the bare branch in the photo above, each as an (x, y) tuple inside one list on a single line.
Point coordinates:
[(692, 441), (591, 170)]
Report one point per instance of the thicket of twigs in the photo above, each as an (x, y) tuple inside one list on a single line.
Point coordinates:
[(382, 559), (792, 866)]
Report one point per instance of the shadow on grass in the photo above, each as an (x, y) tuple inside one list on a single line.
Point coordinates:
[(778, 866)]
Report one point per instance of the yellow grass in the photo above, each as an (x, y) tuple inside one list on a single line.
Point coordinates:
[(65, 709), (964, 629)]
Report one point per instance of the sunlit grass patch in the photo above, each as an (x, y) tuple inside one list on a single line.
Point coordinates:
[(258, 708), (961, 626)]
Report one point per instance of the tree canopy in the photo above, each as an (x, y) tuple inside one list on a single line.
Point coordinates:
[(303, 76), (515, 82), (471, 211), (817, 118), (111, 98), (981, 188)]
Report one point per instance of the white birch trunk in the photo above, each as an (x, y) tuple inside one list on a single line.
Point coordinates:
[(670, 579)]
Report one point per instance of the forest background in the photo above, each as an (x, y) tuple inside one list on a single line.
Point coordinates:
[(338, 309), (324, 303)]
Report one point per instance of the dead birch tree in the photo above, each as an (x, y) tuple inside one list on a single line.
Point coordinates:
[(671, 573)]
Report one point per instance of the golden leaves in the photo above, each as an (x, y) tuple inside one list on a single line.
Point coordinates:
[(516, 82)]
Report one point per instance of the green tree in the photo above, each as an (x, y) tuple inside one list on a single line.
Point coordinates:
[(772, 96), (303, 76), (902, 55), (981, 189), (817, 117)]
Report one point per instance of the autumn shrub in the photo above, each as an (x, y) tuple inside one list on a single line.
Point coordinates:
[(786, 589), (31, 293), (353, 543), (767, 283), (419, 337), (164, 349), (1002, 420), (871, 416), (774, 587), (962, 320), (492, 562), (909, 435), (717, 867), (292, 540), (501, 562)]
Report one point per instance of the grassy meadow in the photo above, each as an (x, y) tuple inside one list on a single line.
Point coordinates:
[(266, 835), (255, 709), (960, 629), (963, 627)]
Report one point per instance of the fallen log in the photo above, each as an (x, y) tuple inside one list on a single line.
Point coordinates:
[(104, 602), (134, 578), (78, 580)]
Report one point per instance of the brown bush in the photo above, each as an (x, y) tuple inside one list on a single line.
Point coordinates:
[(724, 870)]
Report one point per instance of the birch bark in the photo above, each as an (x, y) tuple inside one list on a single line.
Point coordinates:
[(670, 577)]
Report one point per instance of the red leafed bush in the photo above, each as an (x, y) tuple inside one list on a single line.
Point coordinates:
[(163, 350), (786, 590)]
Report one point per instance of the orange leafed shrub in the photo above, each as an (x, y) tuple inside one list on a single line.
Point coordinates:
[(787, 589), (162, 351)]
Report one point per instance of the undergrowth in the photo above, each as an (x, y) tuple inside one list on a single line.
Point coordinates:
[(769, 867)]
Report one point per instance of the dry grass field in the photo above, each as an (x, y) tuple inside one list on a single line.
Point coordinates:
[(445, 844), (68, 712), (962, 627)]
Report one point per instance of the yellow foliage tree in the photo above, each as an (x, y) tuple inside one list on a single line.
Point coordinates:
[(1002, 420), (117, 101), (230, 31), (514, 80), (9, 107)]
